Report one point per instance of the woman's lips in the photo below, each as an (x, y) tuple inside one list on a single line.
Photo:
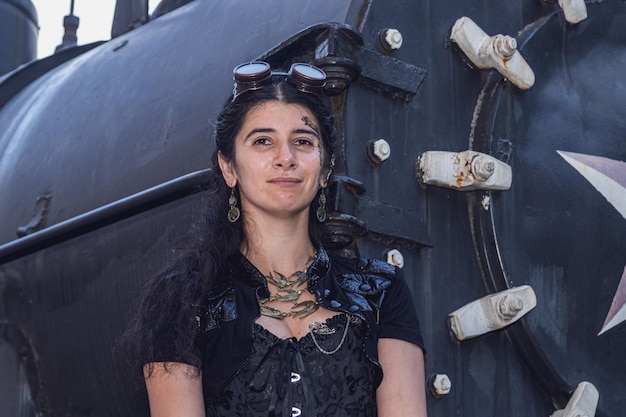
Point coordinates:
[(285, 181)]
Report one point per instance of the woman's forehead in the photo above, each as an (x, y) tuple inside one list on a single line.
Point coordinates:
[(275, 111)]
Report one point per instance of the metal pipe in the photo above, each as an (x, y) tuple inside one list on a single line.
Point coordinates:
[(106, 215)]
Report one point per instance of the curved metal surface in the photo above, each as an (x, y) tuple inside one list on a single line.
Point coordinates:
[(13, 82), (19, 384), (553, 230)]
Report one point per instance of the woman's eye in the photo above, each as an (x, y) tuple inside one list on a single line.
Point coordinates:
[(262, 141), (304, 142)]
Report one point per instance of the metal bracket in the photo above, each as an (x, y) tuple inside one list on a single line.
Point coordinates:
[(339, 50), (384, 222), (498, 52), (583, 403), (492, 312), (575, 11), (464, 171), (38, 221)]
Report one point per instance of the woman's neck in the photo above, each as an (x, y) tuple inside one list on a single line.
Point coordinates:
[(278, 246)]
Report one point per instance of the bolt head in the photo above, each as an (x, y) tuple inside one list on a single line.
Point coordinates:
[(483, 168), (381, 150), (505, 46), (393, 39), (510, 42), (442, 384), (510, 306)]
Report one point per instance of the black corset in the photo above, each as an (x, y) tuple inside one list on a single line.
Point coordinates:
[(323, 374)]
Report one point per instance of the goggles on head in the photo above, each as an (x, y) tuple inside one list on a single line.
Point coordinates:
[(256, 75)]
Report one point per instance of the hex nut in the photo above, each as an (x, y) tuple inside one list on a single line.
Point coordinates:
[(391, 39), (395, 258), (505, 45), (380, 151), (439, 385), (510, 306), (483, 168)]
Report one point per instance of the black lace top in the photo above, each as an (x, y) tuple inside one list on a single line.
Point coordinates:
[(325, 374)]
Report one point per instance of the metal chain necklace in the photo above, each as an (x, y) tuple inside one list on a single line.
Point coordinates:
[(287, 293), (323, 329)]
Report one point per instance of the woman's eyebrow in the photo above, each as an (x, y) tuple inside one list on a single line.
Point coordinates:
[(271, 130), (259, 130), (307, 132)]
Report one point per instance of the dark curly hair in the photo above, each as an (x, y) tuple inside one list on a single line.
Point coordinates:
[(164, 329)]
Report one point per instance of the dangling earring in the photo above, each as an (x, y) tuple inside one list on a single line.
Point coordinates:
[(321, 210), (233, 211)]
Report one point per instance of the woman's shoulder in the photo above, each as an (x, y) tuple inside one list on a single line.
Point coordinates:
[(362, 275), (361, 265)]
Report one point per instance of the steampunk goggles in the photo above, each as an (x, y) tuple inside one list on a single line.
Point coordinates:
[(256, 75)]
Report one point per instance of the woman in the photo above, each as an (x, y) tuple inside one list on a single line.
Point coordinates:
[(228, 329)]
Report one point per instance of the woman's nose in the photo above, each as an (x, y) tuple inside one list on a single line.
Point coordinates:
[(285, 156)]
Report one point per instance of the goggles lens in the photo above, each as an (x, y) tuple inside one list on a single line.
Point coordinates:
[(251, 76), (307, 77), (252, 71), (255, 75)]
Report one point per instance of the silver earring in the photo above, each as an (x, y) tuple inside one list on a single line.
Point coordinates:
[(332, 165), (233, 211), (321, 210)]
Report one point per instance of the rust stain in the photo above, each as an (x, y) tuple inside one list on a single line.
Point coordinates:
[(464, 173), (460, 179)]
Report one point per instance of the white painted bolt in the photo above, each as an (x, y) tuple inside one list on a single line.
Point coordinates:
[(441, 385), (392, 39), (394, 257), (505, 46), (483, 167), (381, 150), (510, 307)]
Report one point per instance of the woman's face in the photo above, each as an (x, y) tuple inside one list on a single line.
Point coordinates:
[(278, 160)]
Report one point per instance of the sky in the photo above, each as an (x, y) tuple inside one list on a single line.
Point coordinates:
[(95, 17)]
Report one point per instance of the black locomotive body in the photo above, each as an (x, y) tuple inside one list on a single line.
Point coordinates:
[(104, 150)]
